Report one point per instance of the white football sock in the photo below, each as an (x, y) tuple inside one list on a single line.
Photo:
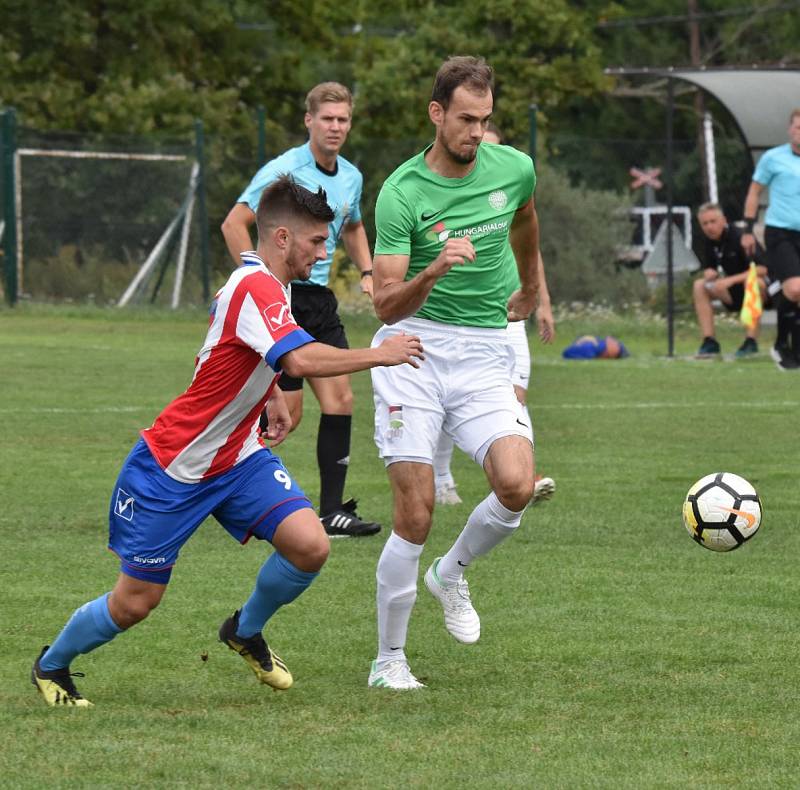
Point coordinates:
[(398, 568), (489, 524), (441, 461)]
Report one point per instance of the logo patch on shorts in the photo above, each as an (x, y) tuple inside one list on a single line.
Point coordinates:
[(123, 507), (396, 423)]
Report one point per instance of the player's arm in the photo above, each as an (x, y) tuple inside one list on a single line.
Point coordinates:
[(524, 238), (236, 230), (751, 215), (320, 360), (544, 311), (396, 298), (354, 238)]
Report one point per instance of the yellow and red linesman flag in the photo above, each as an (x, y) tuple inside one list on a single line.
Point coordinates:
[(751, 306)]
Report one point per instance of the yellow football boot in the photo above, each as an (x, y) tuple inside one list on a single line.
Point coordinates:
[(57, 687), (268, 666)]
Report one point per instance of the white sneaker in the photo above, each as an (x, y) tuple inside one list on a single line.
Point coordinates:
[(460, 619), (393, 675), (543, 489), (447, 495)]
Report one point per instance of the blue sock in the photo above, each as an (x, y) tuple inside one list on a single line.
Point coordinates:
[(278, 583), (89, 627)]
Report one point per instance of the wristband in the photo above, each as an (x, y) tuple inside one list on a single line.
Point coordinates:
[(748, 223), (366, 273)]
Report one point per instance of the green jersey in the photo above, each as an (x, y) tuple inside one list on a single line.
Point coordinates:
[(418, 210)]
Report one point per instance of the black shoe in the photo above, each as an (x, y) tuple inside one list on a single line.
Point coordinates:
[(784, 358), (268, 667), (57, 687), (748, 349), (708, 348), (345, 523)]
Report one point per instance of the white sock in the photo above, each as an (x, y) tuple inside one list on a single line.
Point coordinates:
[(441, 461), (489, 524), (398, 568)]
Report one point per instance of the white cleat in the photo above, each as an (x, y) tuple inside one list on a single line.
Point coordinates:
[(393, 675), (460, 618), (543, 489), (447, 495)]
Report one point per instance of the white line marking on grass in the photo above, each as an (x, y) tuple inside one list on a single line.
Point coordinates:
[(62, 410), (748, 404)]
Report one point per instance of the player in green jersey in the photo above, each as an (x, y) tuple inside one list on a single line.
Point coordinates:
[(453, 223)]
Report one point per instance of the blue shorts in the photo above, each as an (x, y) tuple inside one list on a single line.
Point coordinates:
[(152, 515)]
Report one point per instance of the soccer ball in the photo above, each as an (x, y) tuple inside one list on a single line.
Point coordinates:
[(722, 511)]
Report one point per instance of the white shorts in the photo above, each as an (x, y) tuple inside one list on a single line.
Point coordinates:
[(521, 367), (462, 387)]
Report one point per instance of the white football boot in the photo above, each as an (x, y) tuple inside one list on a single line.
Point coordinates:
[(460, 618), (393, 675)]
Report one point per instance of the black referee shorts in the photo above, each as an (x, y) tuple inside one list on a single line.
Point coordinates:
[(315, 309), (783, 252)]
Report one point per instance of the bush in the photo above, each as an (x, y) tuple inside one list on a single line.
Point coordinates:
[(581, 230)]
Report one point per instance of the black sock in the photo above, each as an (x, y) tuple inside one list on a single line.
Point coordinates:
[(333, 456), (786, 313), (795, 330)]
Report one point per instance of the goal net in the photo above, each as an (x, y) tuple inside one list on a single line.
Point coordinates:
[(105, 221)]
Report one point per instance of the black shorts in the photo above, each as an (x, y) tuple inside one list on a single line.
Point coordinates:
[(783, 252), (737, 295), (314, 307)]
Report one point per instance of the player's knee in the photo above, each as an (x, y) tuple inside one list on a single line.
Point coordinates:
[(412, 521), (346, 401), (791, 289), (313, 554), (128, 610), (514, 491)]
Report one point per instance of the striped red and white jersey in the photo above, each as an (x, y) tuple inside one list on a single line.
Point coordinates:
[(214, 424)]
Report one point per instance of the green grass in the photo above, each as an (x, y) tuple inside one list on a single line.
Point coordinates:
[(615, 652)]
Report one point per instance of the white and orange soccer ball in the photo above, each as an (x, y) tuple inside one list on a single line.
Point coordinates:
[(722, 511)]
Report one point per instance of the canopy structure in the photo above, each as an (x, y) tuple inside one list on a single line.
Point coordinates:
[(759, 99)]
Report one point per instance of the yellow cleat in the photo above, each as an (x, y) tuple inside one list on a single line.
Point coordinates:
[(268, 666), (57, 687)]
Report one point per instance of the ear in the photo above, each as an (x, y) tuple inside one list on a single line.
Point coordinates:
[(307, 120), (281, 236), (436, 113)]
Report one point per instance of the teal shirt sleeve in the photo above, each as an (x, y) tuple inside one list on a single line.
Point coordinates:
[(355, 207), (261, 180), (394, 223), (764, 169)]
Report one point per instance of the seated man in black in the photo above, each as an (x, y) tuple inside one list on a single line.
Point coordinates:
[(724, 276)]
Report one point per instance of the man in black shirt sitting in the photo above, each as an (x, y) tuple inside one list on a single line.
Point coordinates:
[(724, 275)]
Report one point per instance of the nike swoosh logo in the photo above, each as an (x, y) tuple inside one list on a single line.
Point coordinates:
[(524, 425), (426, 215), (748, 517), (461, 564), (123, 506)]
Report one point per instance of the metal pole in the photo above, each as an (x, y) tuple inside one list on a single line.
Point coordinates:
[(202, 214), (668, 220), (532, 110), (262, 135), (9, 145), (711, 158)]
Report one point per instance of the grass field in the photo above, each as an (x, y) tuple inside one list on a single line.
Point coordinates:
[(615, 652)]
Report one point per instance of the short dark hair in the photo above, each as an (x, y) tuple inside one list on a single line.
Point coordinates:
[(474, 73), (284, 200)]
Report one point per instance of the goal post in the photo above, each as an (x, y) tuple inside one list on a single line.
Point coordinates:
[(85, 218)]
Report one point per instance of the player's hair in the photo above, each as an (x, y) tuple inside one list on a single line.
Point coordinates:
[(794, 114), (327, 92), (710, 206), (473, 73), (491, 126), (284, 201)]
